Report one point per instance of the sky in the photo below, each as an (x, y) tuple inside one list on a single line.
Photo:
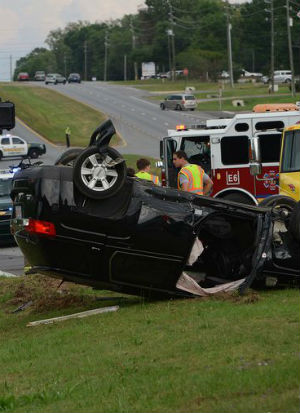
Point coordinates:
[(25, 24)]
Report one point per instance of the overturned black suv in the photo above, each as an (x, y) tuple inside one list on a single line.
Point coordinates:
[(84, 220)]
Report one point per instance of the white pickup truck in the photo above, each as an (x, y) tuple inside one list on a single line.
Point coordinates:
[(14, 146)]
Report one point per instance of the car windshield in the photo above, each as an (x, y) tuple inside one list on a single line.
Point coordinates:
[(5, 187)]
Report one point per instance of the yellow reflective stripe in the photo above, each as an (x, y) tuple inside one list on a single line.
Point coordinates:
[(194, 174), (147, 177)]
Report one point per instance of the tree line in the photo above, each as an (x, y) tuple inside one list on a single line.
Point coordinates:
[(198, 29)]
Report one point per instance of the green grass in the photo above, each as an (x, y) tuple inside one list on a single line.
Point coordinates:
[(237, 355), (249, 103), (49, 113)]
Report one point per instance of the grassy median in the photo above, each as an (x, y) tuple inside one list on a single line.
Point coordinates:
[(234, 354), (49, 113)]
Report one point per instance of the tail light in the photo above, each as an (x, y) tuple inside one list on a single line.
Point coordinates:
[(183, 102), (34, 226)]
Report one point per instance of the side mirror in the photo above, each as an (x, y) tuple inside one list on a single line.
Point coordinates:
[(255, 156), (7, 115), (255, 149), (255, 168)]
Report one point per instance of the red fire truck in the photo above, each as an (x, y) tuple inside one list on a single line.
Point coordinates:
[(222, 148)]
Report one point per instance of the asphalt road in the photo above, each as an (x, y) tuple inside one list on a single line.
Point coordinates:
[(141, 124)]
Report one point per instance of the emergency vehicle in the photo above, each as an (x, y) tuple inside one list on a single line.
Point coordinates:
[(222, 147), (14, 146)]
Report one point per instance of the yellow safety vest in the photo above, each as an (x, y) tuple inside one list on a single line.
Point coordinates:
[(148, 177), (194, 174)]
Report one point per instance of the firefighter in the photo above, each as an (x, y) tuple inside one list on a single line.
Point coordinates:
[(191, 177), (143, 166)]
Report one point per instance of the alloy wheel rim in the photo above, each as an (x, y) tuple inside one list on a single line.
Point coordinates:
[(96, 174)]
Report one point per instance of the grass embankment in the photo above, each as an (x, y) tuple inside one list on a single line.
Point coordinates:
[(49, 113), (210, 90), (201, 355)]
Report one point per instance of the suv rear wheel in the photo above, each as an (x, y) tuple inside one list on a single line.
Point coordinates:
[(99, 175)]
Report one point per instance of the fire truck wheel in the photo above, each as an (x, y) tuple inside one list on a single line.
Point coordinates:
[(284, 204), (280, 202), (294, 224), (240, 198)]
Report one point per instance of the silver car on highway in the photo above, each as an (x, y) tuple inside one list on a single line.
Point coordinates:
[(179, 102)]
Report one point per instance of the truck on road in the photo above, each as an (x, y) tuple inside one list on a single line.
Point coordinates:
[(148, 70), (14, 146)]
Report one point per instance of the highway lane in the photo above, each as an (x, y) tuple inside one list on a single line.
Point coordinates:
[(141, 122)]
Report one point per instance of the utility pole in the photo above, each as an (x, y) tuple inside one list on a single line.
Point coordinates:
[(10, 68), (133, 47), (105, 55), (271, 11), (229, 48), (125, 67), (172, 35), (289, 21), (169, 50), (85, 60), (65, 65)]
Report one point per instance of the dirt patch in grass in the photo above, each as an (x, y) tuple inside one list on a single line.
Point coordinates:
[(46, 294)]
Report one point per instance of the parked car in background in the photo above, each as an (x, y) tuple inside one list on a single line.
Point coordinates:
[(6, 208), (74, 78), (55, 78), (39, 76), (282, 76), (23, 76), (163, 75), (179, 102)]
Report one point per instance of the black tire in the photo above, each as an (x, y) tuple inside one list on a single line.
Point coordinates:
[(294, 224), (279, 201), (68, 157), (33, 154), (162, 106), (100, 177), (1, 155), (239, 198), (178, 107), (192, 110)]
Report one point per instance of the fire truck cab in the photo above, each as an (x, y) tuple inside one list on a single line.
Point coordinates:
[(222, 147)]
